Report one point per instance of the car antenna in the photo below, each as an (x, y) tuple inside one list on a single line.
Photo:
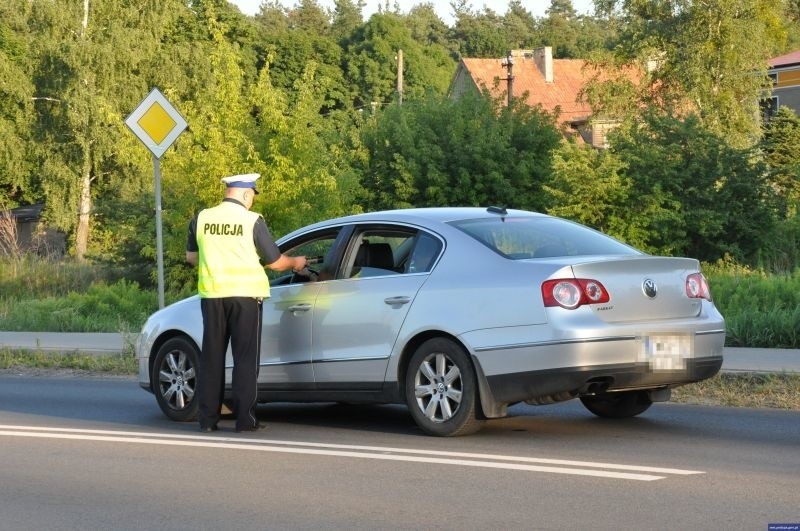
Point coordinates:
[(498, 210)]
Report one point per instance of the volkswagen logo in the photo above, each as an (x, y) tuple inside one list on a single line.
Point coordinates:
[(649, 288)]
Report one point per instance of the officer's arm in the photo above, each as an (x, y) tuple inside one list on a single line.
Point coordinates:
[(269, 252), (192, 251), (295, 263)]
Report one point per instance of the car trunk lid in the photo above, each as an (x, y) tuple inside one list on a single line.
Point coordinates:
[(642, 288)]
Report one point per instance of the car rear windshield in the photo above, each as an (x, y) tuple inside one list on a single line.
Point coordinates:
[(520, 238)]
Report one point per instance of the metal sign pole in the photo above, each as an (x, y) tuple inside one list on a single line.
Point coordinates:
[(159, 240), (157, 124)]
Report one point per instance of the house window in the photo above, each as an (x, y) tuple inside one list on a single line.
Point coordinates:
[(773, 79), (769, 106)]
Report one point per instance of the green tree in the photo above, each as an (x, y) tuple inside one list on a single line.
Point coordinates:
[(303, 166), (347, 18), (372, 65), (309, 16), (272, 18), (16, 108), (478, 34), (710, 57), (519, 26), (216, 145), (465, 152), (696, 195), (290, 53), (576, 36), (593, 187), (792, 14), (425, 25), (90, 59), (781, 147)]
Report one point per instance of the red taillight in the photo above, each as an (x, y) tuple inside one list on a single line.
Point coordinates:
[(697, 287), (571, 293)]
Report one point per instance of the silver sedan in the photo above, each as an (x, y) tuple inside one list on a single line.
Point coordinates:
[(459, 313)]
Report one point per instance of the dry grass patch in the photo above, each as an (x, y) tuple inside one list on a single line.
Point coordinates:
[(775, 390), (73, 363)]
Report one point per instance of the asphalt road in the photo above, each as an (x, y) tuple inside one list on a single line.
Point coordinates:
[(83, 453)]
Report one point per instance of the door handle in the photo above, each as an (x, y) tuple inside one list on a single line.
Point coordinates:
[(393, 301), (303, 307)]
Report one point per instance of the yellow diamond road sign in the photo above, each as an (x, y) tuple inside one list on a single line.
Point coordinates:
[(156, 122)]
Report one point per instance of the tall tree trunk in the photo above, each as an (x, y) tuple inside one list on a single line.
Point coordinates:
[(84, 206), (85, 201), (85, 23)]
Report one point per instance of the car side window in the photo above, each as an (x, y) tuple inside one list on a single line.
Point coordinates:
[(379, 252), (424, 254), (319, 249), (391, 251)]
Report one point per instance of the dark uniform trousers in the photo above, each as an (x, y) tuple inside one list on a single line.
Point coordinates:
[(238, 320)]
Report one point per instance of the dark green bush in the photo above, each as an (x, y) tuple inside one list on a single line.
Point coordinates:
[(760, 309)]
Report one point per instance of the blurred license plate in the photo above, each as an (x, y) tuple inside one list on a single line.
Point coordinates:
[(666, 352)]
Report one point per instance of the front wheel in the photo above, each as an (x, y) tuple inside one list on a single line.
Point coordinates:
[(441, 391), (618, 405), (174, 379)]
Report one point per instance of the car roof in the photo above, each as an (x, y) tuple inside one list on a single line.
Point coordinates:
[(425, 216)]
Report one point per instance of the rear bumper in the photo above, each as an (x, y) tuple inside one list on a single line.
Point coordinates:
[(554, 369), (531, 385)]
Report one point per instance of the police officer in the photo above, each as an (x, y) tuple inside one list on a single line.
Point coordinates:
[(229, 244)]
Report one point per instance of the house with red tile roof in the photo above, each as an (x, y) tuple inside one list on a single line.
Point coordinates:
[(553, 84), (785, 73)]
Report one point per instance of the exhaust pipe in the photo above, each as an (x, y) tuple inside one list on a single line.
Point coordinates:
[(596, 386)]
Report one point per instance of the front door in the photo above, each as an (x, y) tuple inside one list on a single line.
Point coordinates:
[(358, 317), (286, 336)]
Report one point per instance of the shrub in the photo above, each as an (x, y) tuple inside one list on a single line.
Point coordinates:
[(760, 309), (119, 307)]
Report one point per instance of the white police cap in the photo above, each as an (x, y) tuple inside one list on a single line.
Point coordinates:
[(247, 180)]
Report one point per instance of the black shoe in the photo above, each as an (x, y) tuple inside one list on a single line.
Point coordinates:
[(208, 429), (257, 427)]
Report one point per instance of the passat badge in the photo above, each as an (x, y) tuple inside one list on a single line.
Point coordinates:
[(649, 288)]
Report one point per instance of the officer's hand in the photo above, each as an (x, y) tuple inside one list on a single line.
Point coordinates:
[(300, 263)]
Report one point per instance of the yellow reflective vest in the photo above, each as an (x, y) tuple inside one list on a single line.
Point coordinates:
[(228, 264)]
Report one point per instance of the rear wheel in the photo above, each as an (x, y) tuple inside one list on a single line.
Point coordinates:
[(441, 391), (618, 405), (174, 379)]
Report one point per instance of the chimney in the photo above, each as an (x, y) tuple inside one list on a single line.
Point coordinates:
[(543, 57)]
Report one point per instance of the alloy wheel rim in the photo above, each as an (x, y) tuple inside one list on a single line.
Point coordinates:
[(176, 378), (438, 387)]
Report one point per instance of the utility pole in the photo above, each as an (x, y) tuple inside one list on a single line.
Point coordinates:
[(399, 58), (508, 62)]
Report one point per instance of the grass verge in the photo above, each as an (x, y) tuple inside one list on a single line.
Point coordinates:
[(108, 364), (774, 390)]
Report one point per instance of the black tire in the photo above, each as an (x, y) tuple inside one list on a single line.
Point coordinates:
[(618, 405), (441, 390), (174, 379)]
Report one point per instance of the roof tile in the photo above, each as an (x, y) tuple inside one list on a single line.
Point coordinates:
[(569, 77), (785, 60)]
